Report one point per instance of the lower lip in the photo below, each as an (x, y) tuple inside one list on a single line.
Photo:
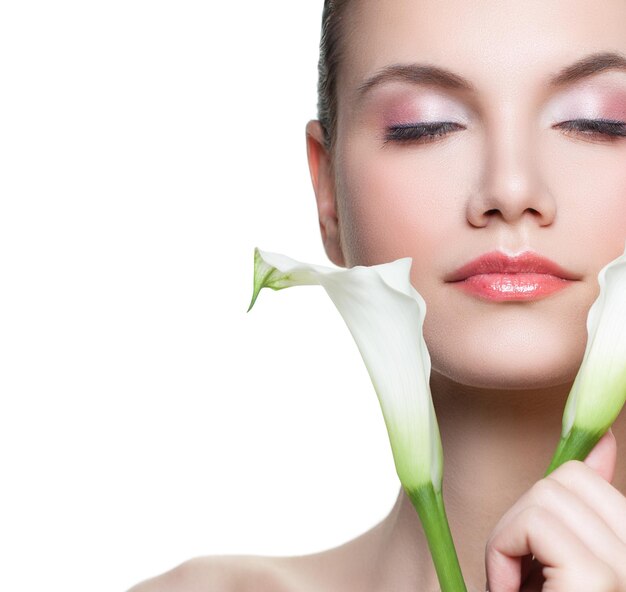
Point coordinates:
[(512, 286)]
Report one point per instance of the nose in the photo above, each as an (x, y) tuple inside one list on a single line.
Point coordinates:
[(512, 188)]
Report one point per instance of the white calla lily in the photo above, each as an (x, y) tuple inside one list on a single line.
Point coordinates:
[(385, 315), (599, 390)]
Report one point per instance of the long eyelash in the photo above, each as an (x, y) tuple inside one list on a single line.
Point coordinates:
[(593, 127), (422, 132)]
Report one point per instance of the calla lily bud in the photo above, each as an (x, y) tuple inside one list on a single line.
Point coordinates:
[(599, 390), (385, 316)]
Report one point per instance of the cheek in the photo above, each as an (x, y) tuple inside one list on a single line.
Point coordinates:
[(397, 202), (589, 185)]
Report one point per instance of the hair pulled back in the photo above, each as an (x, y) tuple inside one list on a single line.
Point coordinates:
[(330, 56)]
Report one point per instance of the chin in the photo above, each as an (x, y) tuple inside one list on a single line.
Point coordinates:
[(510, 366), (514, 378)]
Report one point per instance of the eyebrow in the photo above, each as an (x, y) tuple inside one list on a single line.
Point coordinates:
[(436, 76)]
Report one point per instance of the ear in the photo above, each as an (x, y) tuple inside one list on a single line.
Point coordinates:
[(322, 176)]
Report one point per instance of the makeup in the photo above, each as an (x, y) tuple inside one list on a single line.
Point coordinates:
[(502, 287), (399, 105), (589, 102), (499, 277)]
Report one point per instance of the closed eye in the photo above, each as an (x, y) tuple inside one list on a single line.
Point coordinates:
[(423, 133), (603, 129), (420, 132)]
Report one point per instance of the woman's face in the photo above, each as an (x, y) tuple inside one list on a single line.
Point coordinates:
[(506, 176)]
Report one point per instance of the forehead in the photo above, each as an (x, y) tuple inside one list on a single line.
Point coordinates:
[(501, 46)]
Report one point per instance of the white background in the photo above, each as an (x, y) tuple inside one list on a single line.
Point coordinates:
[(146, 148)]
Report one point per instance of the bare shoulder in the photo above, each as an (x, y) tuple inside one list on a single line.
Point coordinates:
[(227, 573)]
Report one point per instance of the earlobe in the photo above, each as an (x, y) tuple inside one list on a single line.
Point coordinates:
[(322, 177)]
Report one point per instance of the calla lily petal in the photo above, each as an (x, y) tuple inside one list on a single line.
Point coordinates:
[(599, 390), (385, 315)]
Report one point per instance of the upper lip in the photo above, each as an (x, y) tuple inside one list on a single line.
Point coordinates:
[(499, 262)]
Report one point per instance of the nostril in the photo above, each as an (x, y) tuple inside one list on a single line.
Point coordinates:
[(533, 211), (494, 211)]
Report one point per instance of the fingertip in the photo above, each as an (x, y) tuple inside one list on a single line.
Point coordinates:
[(603, 456), (503, 571)]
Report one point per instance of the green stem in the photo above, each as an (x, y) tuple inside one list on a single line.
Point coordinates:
[(575, 446), (430, 508)]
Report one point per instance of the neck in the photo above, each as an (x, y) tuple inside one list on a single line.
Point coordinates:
[(496, 444)]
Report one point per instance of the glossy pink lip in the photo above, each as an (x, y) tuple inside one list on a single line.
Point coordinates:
[(496, 276)]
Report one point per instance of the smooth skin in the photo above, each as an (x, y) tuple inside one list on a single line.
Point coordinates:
[(509, 176), (573, 522)]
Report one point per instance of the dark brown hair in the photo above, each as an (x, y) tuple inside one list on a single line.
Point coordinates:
[(330, 56)]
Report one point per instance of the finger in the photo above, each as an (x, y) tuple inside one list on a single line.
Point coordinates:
[(569, 565), (581, 519), (528, 577), (589, 499), (595, 492), (603, 456), (584, 521)]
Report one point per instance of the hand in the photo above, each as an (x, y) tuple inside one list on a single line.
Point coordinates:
[(574, 523)]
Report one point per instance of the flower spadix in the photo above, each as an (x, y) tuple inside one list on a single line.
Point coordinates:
[(385, 316), (599, 390)]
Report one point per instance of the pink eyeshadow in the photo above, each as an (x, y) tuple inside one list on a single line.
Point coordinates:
[(402, 114), (407, 106), (593, 101), (614, 107)]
